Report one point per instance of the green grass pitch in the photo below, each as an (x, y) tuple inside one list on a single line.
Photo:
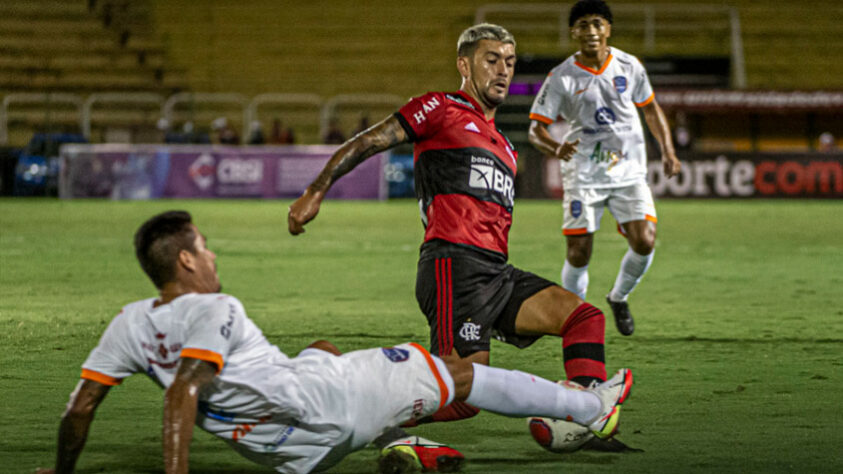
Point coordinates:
[(737, 354)]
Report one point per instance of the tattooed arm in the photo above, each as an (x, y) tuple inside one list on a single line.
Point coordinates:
[(382, 136)]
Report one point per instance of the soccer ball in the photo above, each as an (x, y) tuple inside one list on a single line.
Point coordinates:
[(558, 436)]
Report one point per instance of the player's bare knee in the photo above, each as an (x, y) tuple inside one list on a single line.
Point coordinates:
[(578, 251), (644, 243), (578, 256)]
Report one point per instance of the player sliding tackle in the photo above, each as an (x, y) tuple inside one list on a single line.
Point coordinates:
[(464, 174), (297, 414)]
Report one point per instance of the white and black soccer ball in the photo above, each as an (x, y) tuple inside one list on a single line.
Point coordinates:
[(558, 436)]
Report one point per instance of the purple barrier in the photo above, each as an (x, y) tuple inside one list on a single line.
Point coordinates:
[(208, 171)]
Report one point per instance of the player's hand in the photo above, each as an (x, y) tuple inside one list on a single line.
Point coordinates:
[(303, 210), (672, 166), (566, 150)]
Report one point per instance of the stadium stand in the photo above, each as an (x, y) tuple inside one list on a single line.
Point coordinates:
[(55, 46), (128, 64)]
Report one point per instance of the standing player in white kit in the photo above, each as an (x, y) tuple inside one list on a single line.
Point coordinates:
[(598, 91), (297, 414)]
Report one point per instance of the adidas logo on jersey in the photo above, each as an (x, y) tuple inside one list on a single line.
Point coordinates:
[(472, 127)]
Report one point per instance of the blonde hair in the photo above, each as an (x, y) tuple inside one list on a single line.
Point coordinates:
[(469, 38)]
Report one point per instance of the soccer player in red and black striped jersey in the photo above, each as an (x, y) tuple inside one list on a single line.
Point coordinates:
[(464, 175)]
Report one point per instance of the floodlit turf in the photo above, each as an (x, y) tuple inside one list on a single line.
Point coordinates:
[(737, 354)]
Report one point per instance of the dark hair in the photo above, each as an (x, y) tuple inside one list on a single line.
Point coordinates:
[(158, 243), (589, 7)]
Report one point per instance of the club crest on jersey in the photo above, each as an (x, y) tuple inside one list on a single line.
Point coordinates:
[(576, 208), (395, 354), (470, 331), (620, 84), (604, 116)]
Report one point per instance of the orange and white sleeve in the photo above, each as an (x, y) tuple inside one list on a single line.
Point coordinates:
[(642, 92), (547, 104), (110, 362), (213, 329)]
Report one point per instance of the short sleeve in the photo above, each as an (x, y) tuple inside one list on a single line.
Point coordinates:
[(548, 102), (111, 361), (213, 329), (642, 93), (422, 116)]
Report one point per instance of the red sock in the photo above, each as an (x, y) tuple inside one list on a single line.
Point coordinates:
[(453, 412), (582, 344)]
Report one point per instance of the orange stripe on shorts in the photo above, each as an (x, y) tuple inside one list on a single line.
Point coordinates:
[(579, 231), (443, 387)]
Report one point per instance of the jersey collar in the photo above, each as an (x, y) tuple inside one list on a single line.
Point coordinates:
[(477, 107), (594, 71)]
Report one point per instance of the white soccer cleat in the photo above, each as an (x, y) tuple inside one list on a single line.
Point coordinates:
[(612, 394)]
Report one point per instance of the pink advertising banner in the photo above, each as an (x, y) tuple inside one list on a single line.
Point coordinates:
[(119, 171)]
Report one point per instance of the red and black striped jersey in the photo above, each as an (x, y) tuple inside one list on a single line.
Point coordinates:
[(464, 170)]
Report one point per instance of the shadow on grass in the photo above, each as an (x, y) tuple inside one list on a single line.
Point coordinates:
[(741, 340)]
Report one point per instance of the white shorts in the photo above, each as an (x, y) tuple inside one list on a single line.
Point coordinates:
[(583, 208), (373, 390)]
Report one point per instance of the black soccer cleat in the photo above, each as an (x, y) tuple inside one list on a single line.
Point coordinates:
[(623, 318)]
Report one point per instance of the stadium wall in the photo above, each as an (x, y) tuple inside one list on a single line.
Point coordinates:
[(407, 48)]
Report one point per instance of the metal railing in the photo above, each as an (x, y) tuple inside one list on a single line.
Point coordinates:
[(238, 101), (115, 98), (248, 109), (329, 110), (36, 98)]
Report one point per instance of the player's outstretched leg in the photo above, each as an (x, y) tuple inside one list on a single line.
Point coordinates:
[(516, 393)]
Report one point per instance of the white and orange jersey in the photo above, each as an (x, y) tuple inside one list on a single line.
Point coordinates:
[(601, 107), (286, 413)]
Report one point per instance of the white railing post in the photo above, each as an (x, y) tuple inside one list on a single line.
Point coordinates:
[(738, 67), (649, 28)]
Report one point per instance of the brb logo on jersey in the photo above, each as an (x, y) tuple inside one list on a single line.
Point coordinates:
[(395, 354), (485, 175), (620, 84), (604, 116)]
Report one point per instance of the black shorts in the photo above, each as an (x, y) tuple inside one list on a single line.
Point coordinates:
[(470, 296)]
